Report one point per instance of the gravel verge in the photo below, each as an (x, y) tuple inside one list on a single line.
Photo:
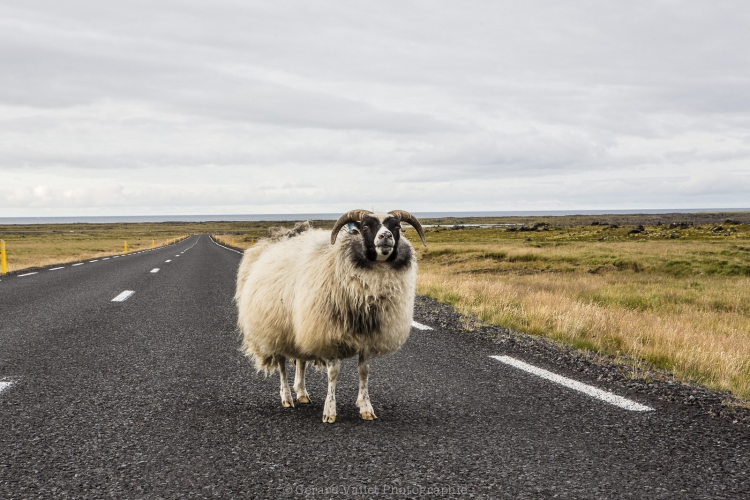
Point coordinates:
[(618, 375)]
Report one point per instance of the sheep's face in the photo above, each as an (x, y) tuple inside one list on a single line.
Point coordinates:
[(380, 235)]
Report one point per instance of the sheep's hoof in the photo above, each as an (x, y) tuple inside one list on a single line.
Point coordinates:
[(329, 419), (304, 400), (287, 404), (367, 415)]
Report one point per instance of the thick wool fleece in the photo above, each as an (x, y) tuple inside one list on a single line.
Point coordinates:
[(301, 297)]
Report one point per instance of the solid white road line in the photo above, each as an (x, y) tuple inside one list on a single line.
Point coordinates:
[(420, 326), (123, 296), (155, 270), (225, 248), (4, 384), (27, 274), (56, 268), (589, 390), (79, 264)]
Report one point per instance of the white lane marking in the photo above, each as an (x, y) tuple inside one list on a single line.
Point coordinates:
[(105, 258), (155, 270), (589, 390), (79, 264), (56, 268), (27, 274), (222, 246), (115, 256), (123, 296), (4, 384), (168, 260), (95, 260), (420, 326)]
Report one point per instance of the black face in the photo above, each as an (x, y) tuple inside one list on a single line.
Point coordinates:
[(382, 242)]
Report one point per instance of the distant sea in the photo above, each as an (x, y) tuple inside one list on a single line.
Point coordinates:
[(333, 216)]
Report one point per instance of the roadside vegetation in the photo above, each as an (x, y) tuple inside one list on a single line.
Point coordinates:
[(680, 303), (670, 291), (40, 245)]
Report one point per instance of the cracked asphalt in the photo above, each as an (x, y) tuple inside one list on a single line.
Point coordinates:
[(151, 398)]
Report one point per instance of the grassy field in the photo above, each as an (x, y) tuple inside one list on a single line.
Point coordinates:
[(674, 292), (681, 303), (44, 245)]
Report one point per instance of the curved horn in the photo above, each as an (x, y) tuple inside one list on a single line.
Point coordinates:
[(405, 216), (350, 216)]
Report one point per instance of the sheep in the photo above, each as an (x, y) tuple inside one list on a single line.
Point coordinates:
[(310, 296)]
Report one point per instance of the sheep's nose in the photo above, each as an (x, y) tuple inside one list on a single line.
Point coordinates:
[(385, 234)]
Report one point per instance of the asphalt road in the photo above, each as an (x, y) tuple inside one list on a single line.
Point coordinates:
[(150, 398)]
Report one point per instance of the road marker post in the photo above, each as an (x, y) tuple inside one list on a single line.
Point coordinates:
[(3, 258), (153, 243), (232, 241), (125, 247)]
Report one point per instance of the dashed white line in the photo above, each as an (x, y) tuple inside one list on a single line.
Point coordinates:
[(27, 274), (105, 258), (155, 270), (95, 260), (4, 384), (79, 264), (168, 260), (123, 296), (420, 326), (589, 390), (57, 268)]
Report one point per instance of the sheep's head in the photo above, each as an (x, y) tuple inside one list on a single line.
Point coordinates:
[(380, 232)]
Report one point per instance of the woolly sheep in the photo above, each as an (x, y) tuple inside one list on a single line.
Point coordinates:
[(312, 296)]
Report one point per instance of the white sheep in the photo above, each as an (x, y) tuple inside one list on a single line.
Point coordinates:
[(305, 296)]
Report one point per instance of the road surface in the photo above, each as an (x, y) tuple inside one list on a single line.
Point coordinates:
[(149, 397)]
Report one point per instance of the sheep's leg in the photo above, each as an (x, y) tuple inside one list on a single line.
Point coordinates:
[(286, 395), (329, 411), (299, 383), (363, 400)]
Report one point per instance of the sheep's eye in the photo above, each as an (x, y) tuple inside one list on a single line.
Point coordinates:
[(365, 228)]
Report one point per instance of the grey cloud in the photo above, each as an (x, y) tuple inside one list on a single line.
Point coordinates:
[(451, 100)]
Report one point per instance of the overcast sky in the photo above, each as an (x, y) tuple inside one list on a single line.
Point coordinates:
[(218, 107)]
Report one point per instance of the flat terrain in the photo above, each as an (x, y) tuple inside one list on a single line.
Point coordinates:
[(151, 398), (667, 291), (676, 295)]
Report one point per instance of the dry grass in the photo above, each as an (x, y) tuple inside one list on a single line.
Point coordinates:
[(240, 242), (40, 246), (679, 304)]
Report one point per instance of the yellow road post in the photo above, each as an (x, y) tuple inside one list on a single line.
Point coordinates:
[(3, 258), (153, 243), (125, 247), (232, 241)]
